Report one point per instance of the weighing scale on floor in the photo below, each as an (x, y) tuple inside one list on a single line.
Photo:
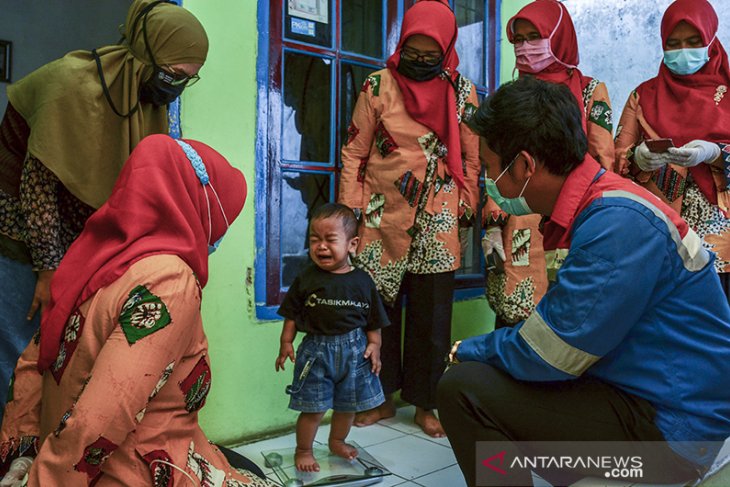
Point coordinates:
[(334, 470)]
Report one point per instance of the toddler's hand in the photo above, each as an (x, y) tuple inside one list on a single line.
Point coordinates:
[(286, 350), (372, 352)]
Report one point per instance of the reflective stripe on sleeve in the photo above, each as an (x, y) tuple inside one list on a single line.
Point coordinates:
[(689, 248), (552, 349)]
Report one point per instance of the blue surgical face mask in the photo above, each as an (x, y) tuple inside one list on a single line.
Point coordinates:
[(212, 248), (687, 61), (513, 206)]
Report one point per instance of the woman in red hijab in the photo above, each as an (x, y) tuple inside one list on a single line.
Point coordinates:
[(545, 47), (411, 167), (686, 103), (122, 352)]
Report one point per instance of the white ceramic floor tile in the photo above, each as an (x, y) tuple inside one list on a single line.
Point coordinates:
[(392, 481), (538, 481), (441, 441), (449, 476), (598, 482), (252, 451), (398, 443), (403, 420), (365, 437), (327, 463), (410, 457)]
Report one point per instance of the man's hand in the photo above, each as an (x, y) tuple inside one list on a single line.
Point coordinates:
[(42, 293), (451, 358), (452, 354), (286, 350), (372, 352)]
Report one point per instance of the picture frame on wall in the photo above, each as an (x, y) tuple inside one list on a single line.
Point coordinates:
[(5, 58)]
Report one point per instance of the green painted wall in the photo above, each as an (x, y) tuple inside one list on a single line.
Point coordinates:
[(247, 397), (473, 317), (247, 400), (507, 53)]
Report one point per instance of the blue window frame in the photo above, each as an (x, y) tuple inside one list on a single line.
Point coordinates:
[(313, 58)]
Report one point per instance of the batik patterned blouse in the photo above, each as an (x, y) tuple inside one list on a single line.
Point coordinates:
[(45, 216), (676, 187), (121, 401), (394, 170)]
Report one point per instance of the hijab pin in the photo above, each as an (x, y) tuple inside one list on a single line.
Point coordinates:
[(719, 93)]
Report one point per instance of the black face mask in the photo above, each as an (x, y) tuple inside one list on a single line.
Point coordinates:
[(158, 90), (419, 71)]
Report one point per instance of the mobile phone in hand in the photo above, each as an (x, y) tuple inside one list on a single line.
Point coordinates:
[(659, 145)]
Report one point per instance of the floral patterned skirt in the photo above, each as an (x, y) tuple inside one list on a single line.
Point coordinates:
[(710, 223)]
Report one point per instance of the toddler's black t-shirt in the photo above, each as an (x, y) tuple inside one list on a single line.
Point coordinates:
[(324, 303)]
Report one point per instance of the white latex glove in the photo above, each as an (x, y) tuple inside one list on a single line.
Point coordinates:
[(17, 472), (650, 161), (492, 242), (694, 152)]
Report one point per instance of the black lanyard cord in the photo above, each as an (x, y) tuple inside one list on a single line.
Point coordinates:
[(106, 89)]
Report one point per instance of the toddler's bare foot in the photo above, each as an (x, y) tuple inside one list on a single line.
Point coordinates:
[(305, 461), (372, 416), (429, 423), (342, 449)]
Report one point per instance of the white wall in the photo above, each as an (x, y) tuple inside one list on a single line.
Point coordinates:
[(618, 40), (620, 43), (43, 30)]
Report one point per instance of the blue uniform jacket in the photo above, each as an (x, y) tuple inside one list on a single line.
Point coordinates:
[(636, 304)]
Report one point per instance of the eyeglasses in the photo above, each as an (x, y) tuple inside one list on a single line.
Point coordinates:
[(532, 39), (174, 78), (431, 58)]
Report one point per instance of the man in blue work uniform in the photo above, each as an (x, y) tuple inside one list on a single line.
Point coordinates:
[(631, 343)]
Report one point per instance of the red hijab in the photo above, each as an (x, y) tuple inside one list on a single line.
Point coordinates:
[(668, 99), (433, 103), (157, 206), (552, 20)]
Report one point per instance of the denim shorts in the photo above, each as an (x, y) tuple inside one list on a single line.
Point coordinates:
[(330, 372)]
